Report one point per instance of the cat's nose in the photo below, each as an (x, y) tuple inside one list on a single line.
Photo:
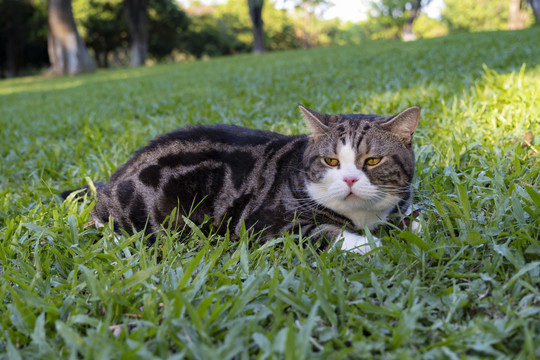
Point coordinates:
[(350, 180)]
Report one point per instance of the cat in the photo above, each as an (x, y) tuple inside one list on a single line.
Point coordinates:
[(352, 171)]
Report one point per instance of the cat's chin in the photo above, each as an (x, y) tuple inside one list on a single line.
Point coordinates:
[(354, 202), (356, 198), (352, 198)]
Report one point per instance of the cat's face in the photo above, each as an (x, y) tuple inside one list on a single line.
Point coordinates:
[(358, 163)]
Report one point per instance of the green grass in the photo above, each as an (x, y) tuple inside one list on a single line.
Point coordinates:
[(467, 287)]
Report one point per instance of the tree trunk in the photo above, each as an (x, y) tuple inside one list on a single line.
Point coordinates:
[(535, 4), (255, 12), (136, 15), (517, 17), (12, 54), (67, 52), (408, 34)]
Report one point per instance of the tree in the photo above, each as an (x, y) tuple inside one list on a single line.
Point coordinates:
[(535, 4), (408, 34), (166, 24), (233, 21), (105, 30), (103, 27), (23, 36), (517, 18), (308, 8), (12, 34), (255, 13), (479, 15), (398, 16), (426, 27), (67, 52), (136, 15), (210, 36)]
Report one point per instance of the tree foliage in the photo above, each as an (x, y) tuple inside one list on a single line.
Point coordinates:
[(103, 27), (105, 30), (391, 17), (426, 27), (208, 36), (23, 36), (278, 26), (479, 15), (307, 24), (167, 23)]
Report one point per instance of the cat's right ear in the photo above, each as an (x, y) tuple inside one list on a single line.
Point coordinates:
[(404, 123), (314, 121)]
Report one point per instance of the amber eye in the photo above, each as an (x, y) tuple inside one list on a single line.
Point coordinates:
[(331, 162), (373, 161)]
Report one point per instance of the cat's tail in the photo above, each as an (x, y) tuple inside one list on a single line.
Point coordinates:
[(83, 190)]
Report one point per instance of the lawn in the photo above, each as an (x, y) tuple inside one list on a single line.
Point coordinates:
[(467, 287)]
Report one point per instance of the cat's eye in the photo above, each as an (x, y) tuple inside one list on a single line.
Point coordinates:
[(331, 162), (373, 161)]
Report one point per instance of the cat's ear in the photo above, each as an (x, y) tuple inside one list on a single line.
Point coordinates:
[(314, 121), (404, 123)]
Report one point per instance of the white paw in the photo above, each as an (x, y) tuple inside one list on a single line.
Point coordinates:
[(97, 223), (358, 243), (416, 227)]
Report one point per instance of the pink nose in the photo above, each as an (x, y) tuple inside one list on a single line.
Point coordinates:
[(350, 180)]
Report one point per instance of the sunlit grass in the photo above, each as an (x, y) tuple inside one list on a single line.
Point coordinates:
[(467, 287)]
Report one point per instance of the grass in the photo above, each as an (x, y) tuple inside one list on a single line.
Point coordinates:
[(467, 287)]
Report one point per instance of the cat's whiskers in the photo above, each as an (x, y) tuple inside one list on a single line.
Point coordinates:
[(392, 186)]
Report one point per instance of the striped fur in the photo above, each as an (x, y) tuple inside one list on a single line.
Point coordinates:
[(271, 182)]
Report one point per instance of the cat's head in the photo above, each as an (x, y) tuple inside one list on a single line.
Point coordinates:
[(356, 163)]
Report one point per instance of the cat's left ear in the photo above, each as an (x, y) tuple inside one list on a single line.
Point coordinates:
[(404, 123), (314, 121)]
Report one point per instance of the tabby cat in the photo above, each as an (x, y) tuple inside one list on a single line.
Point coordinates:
[(351, 172)]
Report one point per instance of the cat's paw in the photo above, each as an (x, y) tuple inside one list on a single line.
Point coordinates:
[(358, 243), (411, 222), (416, 227)]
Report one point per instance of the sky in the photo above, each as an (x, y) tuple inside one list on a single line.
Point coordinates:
[(348, 10)]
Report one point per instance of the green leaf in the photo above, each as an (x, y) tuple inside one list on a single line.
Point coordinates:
[(535, 195), (137, 278), (464, 202), (189, 269), (193, 227), (517, 209), (525, 269), (70, 336), (474, 238)]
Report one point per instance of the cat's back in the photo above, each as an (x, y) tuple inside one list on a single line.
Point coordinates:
[(219, 134), (191, 145)]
